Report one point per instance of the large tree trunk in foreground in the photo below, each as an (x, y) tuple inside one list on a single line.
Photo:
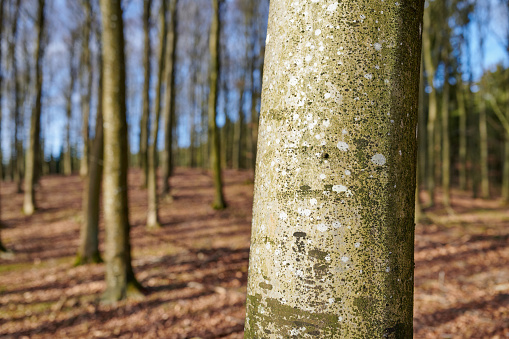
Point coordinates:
[(35, 120), (215, 160), (88, 251), (152, 217), (120, 279), (144, 126), (2, 248), (333, 224), (169, 102)]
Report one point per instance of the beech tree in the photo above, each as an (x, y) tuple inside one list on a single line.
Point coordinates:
[(144, 125), (120, 279), (215, 156), (35, 120), (333, 223), (88, 251)]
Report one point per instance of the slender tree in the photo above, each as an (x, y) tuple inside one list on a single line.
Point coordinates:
[(67, 163), (332, 245), (86, 85), (120, 279), (432, 104), (446, 144), (144, 121), (88, 251), (2, 247), (169, 96), (152, 216), (29, 205), (215, 160), (17, 150), (483, 121)]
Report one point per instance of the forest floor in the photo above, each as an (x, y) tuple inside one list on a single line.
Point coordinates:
[(195, 266)]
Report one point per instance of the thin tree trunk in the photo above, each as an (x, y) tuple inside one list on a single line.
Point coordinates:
[(88, 251), (462, 135), (215, 150), (483, 127), (332, 245), (446, 153), (86, 87), (144, 122), (68, 109), (120, 279), (152, 216), (432, 106), (237, 135), (169, 98), (29, 205), (2, 247), (18, 151)]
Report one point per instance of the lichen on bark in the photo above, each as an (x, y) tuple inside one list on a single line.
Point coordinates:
[(333, 217)]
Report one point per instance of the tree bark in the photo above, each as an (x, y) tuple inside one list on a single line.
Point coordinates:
[(67, 163), (17, 150), (462, 135), (215, 149), (2, 247), (332, 244), (120, 279), (86, 87), (29, 205), (432, 106), (144, 122), (152, 216), (446, 145), (88, 251), (169, 98)]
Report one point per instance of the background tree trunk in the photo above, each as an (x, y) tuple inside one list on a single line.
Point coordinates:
[(333, 224), (215, 155), (152, 217), (446, 153), (432, 107), (88, 251), (169, 98), (35, 120), (86, 86), (120, 279), (144, 122)]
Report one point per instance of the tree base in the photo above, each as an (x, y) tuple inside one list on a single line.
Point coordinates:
[(133, 290), (85, 260), (219, 205)]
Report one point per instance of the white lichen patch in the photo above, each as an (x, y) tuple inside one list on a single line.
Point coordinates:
[(345, 259), (378, 159), (343, 146), (313, 201), (336, 224), (283, 216), (339, 188), (322, 227), (378, 46), (332, 7), (347, 172)]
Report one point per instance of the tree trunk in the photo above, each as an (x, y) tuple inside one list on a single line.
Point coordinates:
[(120, 279), (68, 108), (215, 149), (88, 251), (29, 205), (152, 217), (483, 125), (17, 150), (462, 135), (2, 247), (144, 122), (432, 106), (169, 98), (237, 134), (332, 245), (446, 153), (86, 87)]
